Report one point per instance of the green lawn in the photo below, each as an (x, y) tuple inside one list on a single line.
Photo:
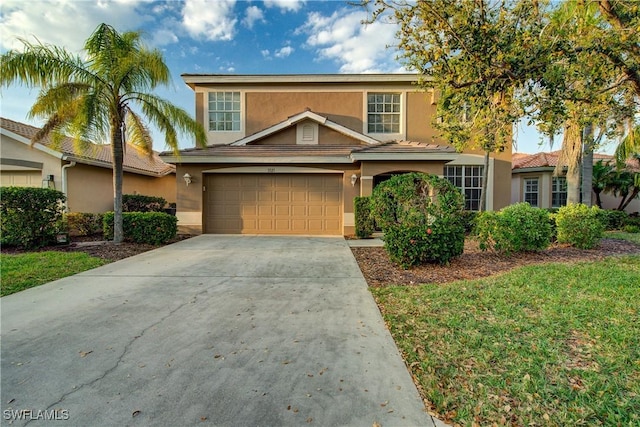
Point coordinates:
[(23, 271), (555, 344)]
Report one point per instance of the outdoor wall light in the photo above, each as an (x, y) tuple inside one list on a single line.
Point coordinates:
[(187, 178), (354, 179)]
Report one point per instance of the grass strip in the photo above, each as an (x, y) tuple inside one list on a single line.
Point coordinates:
[(23, 271), (554, 344)]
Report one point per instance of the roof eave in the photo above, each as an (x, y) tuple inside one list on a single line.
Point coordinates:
[(258, 160), (405, 156)]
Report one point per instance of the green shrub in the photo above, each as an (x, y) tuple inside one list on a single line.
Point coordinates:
[(140, 203), (631, 229), (579, 225), (83, 223), (516, 228), (155, 228), (632, 220), (363, 219), (30, 217), (421, 218), (612, 219), (469, 220)]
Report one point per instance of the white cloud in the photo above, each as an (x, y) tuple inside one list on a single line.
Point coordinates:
[(253, 14), (265, 53), (210, 20), (356, 47), (164, 37), (63, 22), (286, 5), (283, 52)]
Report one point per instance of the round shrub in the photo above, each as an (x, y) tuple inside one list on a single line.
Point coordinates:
[(579, 225), (421, 218), (363, 219), (30, 217), (516, 228)]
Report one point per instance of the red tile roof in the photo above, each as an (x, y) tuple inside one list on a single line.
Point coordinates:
[(134, 160), (544, 160)]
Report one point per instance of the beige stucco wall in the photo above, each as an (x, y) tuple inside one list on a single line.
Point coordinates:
[(90, 188), (264, 109), (15, 152), (420, 112), (501, 184)]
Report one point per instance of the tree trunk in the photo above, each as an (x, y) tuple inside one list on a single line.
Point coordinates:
[(485, 178), (570, 156), (587, 164), (632, 196), (117, 156), (598, 200)]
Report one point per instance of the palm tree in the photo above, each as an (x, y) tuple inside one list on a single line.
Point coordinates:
[(91, 98), (602, 176)]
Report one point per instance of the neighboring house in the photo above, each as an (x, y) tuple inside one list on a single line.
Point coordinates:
[(532, 181), (85, 178), (287, 154)]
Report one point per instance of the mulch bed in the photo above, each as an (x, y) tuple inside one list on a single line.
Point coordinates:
[(378, 270), (95, 246)]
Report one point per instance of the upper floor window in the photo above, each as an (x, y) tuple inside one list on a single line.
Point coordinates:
[(383, 113), (531, 191), (224, 111), (469, 180), (558, 191)]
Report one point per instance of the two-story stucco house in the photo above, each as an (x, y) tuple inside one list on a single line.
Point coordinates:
[(288, 153)]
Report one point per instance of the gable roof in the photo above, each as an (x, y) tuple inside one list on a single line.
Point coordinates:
[(306, 115), (544, 160), (98, 155)]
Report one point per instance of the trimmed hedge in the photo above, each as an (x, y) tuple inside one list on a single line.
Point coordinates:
[(30, 217), (421, 218), (141, 203), (155, 228), (579, 225), (365, 224), (83, 223), (515, 228)]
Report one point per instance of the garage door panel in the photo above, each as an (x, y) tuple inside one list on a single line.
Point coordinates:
[(265, 210), (274, 204)]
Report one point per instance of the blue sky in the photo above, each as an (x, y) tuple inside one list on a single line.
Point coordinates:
[(216, 36)]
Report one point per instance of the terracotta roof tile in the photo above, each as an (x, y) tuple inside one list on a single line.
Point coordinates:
[(134, 159), (544, 160)]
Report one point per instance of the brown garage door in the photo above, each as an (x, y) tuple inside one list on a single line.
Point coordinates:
[(274, 204)]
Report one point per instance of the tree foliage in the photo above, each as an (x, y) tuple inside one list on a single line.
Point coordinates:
[(571, 67), (100, 96)]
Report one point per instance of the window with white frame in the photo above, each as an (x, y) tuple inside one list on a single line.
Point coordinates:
[(224, 111), (558, 191), (469, 180), (383, 113), (531, 188)]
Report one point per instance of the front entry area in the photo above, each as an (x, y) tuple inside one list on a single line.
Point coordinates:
[(286, 203)]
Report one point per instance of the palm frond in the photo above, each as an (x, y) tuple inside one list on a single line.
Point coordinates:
[(138, 133), (169, 118)]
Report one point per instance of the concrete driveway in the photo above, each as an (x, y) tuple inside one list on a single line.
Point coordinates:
[(214, 330)]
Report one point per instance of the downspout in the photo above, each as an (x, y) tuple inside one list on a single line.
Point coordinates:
[(64, 181)]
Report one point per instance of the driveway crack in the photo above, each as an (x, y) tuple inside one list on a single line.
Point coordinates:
[(125, 350)]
